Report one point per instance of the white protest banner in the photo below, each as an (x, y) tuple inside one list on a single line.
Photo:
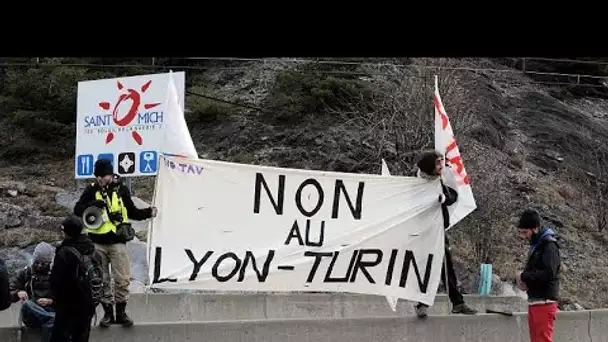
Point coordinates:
[(455, 175), (235, 227), (392, 301)]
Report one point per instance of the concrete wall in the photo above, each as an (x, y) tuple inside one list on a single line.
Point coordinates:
[(225, 307), (579, 326)]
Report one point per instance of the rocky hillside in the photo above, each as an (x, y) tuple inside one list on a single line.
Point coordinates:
[(528, 140)]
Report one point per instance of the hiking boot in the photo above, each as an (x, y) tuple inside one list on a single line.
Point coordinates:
[(463, 309), (421, 310), (108, 316), (121, 316)]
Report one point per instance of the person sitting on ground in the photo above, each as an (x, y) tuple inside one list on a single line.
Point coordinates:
[(5, 293), (32, 287), (430, 166)]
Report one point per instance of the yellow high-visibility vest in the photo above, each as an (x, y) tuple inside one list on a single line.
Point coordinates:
[(115, 205)]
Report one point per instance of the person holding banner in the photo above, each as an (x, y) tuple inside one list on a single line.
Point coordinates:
[(114, 200), (430, 166)]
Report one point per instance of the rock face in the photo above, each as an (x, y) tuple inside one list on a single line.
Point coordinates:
[(11, 216), (17, 258), (67, 199), (12, 188), (28, 214)]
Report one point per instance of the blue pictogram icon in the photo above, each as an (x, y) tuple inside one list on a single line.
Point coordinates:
[(148, 162), (84, 165)]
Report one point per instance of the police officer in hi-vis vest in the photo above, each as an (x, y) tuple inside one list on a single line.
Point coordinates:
[(114, 199)]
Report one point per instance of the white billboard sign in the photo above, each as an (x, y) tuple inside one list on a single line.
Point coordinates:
[(123, 119)]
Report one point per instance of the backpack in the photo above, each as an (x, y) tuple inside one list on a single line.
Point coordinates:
[(89, 277)]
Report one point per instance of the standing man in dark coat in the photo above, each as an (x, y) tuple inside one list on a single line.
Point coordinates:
[(74, 305), (540, 277)]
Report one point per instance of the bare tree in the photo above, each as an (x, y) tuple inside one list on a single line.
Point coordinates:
[(598, 182), (591, 170), (483, 226), (397, 118), (397, 115)]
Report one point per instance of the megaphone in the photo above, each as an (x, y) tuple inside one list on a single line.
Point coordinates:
[(92, 218)]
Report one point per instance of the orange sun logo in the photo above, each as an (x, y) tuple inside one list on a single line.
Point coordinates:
[(123, 120)]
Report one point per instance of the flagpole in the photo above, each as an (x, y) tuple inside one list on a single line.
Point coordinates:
[(446, 279), (434, 113), (151, 223)]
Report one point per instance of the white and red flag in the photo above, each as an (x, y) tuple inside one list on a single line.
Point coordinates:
[(455, 175)]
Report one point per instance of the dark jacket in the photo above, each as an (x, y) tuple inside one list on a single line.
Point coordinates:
[(67, 296), (134, 213), (37, 284), (451, 196), (541, 274), (5, 295)]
